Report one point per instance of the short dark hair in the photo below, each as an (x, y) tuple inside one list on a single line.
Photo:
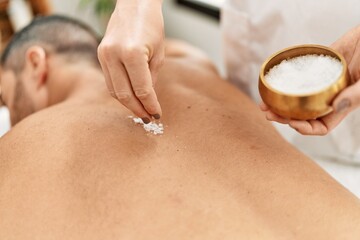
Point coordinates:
[(61, 34)]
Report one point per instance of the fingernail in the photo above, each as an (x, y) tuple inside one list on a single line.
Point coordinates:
[(146, 120), (156, 116), (343, 105)]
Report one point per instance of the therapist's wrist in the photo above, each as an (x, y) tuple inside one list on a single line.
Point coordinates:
[(137, 2)]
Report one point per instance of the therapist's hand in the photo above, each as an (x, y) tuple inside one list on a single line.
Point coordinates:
[(131, 54), (347, 101)]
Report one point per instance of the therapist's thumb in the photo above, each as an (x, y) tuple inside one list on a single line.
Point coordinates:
[(348, 99)]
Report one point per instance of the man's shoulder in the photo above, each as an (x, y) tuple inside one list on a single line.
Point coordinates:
[(61, 126)]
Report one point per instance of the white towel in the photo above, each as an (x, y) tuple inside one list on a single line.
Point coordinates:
[(4, 121)]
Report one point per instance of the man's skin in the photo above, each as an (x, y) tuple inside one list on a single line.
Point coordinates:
[(81, 169)]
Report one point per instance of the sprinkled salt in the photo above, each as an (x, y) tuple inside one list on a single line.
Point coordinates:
[(304, 74), (152, 127)]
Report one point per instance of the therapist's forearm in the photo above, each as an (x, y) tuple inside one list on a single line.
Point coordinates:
[(137, 2), (138, 7)]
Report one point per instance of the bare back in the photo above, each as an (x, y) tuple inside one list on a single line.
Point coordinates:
[(83, 170)]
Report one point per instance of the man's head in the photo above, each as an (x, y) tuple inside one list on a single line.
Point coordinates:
[(25, 67)]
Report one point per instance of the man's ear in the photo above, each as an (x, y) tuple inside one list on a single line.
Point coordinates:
[(36, 61)]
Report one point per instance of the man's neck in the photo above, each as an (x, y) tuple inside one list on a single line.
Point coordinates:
[(79, 81)]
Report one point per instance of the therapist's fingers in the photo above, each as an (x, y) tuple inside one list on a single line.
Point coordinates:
[(310, 127), (107, 78), (156, 63), (124, 93), (321, 126), (141, 82), (263, 107), (271, 116), (348, 99)]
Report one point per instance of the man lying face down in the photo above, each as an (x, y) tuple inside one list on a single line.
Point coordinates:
[(76, 167), (28, 82)]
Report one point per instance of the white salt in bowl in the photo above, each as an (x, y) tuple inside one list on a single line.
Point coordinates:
[(305, 84)]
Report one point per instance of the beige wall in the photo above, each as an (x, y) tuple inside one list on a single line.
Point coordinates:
[(195, 28), (73, 9)]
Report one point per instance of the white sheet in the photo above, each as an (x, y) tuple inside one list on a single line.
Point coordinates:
[(4, 121)]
